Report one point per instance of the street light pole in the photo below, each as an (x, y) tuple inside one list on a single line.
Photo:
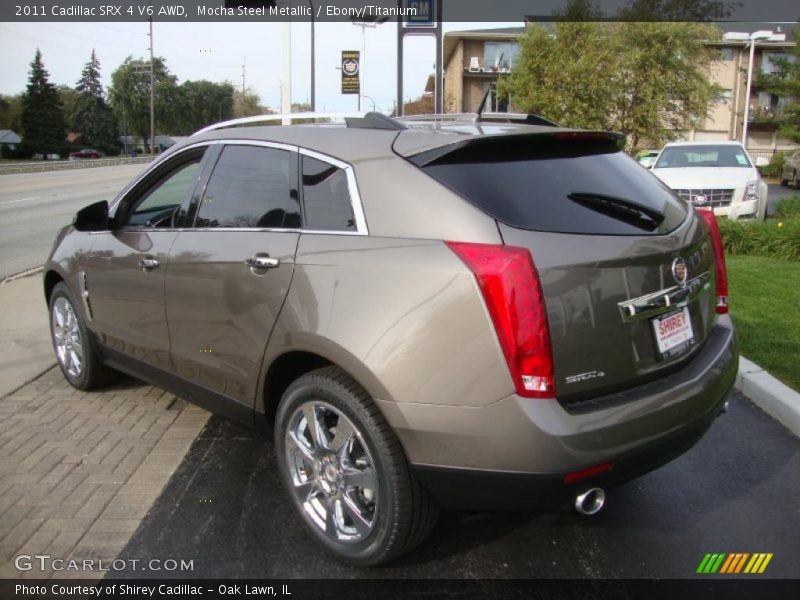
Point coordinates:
[(755, 36), (371, 99), (313, 66)]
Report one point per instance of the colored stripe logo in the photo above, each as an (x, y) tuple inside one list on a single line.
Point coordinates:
[(733, 563)]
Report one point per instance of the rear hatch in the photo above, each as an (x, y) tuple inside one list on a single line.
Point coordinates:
[(625, 265)]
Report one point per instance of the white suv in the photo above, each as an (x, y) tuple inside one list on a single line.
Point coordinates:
[(718, 175)]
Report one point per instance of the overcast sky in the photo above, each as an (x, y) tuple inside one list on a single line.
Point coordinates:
[(215, 51)]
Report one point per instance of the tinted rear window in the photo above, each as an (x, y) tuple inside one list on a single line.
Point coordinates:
[(566, 186)]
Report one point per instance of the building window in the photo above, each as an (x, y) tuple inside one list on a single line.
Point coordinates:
[(493, 51), (726, 54), (768, 64), (725, 96)]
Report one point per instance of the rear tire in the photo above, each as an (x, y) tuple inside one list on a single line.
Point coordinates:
[(345, 471), (795, 183), (76, 351)]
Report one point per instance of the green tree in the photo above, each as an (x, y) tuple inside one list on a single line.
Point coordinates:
[(248, 104), (91, 114), (130, 97), (648, 80), (676, 10), (42, 118), (204, 102), (11, 112), (785, 83)]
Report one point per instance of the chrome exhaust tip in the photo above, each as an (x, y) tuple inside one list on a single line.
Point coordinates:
[(590, 502), (725, 407)]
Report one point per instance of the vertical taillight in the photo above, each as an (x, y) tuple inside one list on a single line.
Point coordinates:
[(512, 292), (719, 259)]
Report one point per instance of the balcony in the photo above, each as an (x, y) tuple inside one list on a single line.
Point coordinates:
[(482, 66), (765, 118)]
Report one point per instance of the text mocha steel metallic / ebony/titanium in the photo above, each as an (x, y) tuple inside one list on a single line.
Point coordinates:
[(453, 311)]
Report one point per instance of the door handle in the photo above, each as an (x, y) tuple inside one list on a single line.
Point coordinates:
[(148, 262), (262, 261)]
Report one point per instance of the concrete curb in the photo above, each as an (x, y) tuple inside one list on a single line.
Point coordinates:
[(776, 399)]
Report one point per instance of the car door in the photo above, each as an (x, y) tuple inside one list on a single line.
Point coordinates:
[(230, 272), (126, 266)]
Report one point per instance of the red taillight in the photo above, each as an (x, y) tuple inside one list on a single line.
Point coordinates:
[(719, 259), (511, 289)]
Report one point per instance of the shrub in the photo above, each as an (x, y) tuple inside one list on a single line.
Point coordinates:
[(788, 208), (776, 238), (773, 169)]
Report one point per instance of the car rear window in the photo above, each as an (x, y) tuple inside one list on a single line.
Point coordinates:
[(558, 184)]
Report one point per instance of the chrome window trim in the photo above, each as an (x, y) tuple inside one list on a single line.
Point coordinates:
[(352, 186)]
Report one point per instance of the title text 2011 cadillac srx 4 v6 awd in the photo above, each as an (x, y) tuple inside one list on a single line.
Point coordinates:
[(475, 314)]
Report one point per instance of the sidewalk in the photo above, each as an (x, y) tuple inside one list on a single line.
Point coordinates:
[(78, 471)]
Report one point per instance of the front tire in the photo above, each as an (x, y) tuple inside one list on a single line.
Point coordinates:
[(345, 471), (75, 349)]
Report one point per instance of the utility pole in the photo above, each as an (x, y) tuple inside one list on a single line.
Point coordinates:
[(286, 77), (152, 95), (244, 68)]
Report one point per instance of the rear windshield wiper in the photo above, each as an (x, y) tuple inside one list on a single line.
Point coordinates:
[(622, 209)]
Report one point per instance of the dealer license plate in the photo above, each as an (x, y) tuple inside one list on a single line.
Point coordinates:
[(673, 333)]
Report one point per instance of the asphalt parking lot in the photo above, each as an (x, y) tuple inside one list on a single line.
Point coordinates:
[(736, 491)]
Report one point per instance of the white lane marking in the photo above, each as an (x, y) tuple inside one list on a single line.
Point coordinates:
[(20, 200)]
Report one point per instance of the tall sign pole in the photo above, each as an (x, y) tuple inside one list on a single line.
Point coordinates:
[(426, 22), (152, 95)]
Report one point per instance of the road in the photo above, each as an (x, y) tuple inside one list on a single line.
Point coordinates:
[(35, 206), (736, 491)]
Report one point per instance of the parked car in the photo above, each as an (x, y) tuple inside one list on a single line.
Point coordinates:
[(790, 171), (84, 154), (717, 175), (646, 158), (46, 156), (425, 313)]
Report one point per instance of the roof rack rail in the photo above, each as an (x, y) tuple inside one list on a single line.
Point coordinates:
[(362, 120), (496, 117)]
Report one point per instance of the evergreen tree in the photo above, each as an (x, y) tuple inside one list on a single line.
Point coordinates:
[(42, 120), (92, 116)]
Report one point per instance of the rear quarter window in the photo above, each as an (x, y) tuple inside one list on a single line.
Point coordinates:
[(543, 183)]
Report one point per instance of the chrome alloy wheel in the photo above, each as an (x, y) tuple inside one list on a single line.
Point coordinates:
[(333, 476), (67, 337)]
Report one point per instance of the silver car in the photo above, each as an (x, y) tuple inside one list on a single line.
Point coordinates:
[(442, 312)]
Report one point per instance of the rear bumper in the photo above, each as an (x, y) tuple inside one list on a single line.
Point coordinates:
[(515, 453), (471, 489)]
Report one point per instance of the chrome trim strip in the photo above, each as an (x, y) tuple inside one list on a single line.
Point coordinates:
[(84, 294), (352, 186), (663, 301)]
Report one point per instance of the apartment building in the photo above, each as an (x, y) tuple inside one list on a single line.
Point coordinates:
[(475, 59)]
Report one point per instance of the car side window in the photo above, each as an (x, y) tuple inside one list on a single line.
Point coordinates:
[(326, 197), (156, 207), (252, 187)]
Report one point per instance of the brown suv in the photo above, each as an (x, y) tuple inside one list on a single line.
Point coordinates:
[(462, 313)]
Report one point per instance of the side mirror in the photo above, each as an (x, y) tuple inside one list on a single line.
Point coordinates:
[(762, 161), (92, 218)]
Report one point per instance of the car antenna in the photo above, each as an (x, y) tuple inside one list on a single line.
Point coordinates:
[(486, 95)]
